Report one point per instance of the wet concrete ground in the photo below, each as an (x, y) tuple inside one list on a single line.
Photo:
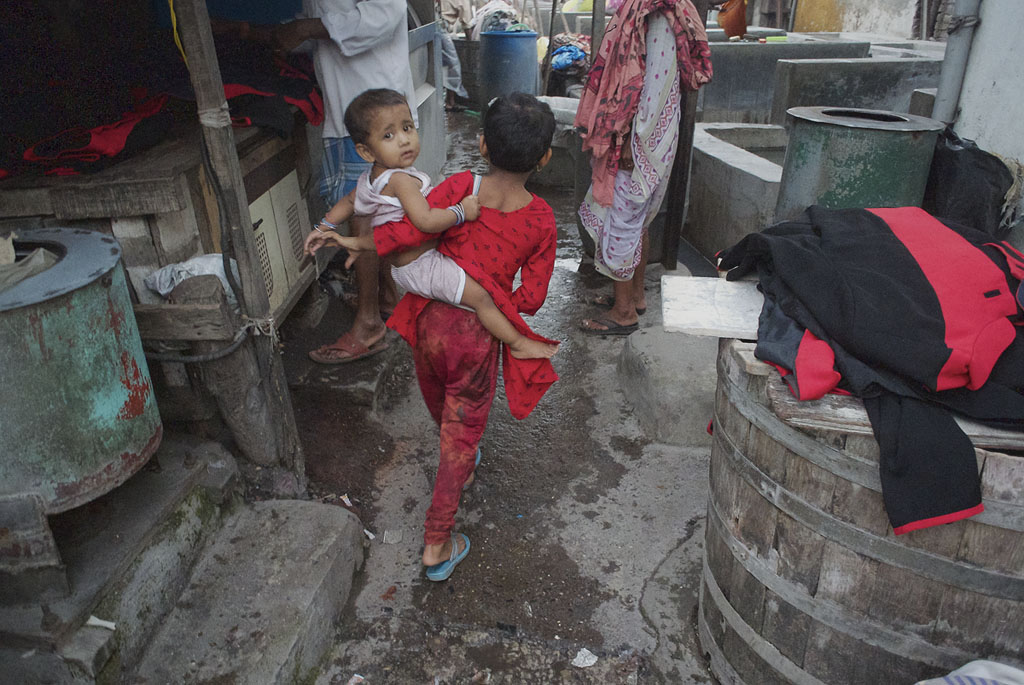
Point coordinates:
[(585, 533)]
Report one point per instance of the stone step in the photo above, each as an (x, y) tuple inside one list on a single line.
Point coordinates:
[(126, 556), (669, 378), (263, 598)]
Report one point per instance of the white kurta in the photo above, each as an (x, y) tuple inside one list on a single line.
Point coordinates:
[(369, 48)]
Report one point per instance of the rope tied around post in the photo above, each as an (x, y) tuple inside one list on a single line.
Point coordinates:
[(249, 327), (218, 117)]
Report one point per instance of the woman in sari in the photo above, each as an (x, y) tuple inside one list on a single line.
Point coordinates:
[(629, 118)]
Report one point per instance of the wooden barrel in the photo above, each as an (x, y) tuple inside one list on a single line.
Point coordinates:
[(804, 580)]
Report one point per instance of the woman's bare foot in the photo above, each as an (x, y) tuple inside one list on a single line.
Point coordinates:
[(435, 554), (526, 348)]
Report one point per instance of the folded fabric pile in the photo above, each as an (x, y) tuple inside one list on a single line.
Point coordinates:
[(571, 53), (917, 317)]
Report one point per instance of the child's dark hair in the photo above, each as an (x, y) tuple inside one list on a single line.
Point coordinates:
[(359, 114), (518, 130)]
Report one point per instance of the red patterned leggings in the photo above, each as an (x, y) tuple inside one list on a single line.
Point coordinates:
[(457, 367)]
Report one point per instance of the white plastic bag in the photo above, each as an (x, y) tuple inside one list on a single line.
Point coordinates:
[(164, 279)]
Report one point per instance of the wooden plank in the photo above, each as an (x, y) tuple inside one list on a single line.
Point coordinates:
[(847, 414), (124, 198), (710, 306), (743, 352), (183, 322), (25, 202)]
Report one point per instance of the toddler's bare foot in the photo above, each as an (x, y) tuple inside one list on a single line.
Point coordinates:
[(525, 348)]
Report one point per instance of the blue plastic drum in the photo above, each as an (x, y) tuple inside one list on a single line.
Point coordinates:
[(508, 64)]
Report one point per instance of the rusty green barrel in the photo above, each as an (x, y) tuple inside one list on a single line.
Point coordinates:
[(77, 414), (804, 581), (846, 158)]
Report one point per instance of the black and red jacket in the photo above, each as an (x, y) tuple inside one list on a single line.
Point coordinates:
[(911, 314)]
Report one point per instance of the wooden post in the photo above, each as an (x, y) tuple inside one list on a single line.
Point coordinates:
[(596, 28), (679, 181), (547, 55), (232, 379), (193, 23)]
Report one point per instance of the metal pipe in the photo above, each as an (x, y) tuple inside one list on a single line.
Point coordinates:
[(954, 64), (924, 20)]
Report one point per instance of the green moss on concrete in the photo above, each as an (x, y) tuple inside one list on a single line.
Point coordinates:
[(190, 523)]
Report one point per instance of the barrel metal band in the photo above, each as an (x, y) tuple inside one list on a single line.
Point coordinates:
[(865, 474), (768, 652), (922, 563), (861, 472), (831, 614), (722, 669)]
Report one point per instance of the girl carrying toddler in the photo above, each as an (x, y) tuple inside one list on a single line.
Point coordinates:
[(380, 123)]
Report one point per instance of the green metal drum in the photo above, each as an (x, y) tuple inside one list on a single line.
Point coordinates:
[(853, 158), (77, 412)]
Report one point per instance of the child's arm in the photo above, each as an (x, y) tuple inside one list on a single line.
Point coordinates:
[(356, 243), (342, 211), (536, 272), (427, 219)]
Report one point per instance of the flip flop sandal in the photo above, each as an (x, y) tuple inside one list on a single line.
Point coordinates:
[(610, 327), (444, 570), (478, 455), (353, 349)]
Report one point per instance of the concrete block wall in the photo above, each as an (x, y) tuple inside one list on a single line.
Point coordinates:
[(867, 82), (732, 190), (922, 101), (744, 75)]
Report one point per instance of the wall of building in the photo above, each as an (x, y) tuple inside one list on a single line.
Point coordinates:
[(888, 17), (992, 97)]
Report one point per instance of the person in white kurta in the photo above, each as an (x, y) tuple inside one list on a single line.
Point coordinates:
[(358, 45)]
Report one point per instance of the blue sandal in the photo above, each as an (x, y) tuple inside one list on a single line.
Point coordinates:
[(444, 570)]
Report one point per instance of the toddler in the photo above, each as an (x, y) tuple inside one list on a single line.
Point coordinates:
[(381, 126)]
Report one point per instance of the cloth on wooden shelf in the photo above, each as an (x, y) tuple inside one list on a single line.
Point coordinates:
[(164, 279), (919, 319)]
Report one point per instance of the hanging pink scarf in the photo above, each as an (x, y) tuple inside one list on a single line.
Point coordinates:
[(612, 93)]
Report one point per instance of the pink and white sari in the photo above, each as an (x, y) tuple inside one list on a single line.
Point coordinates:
[(618, 230)]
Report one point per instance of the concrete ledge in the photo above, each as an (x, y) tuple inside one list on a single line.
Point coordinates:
[(661, 374), (741, 89), (870, 82), (263, 598), (732, 190)]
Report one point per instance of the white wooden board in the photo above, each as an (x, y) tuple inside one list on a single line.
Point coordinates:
[(710, 306)]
